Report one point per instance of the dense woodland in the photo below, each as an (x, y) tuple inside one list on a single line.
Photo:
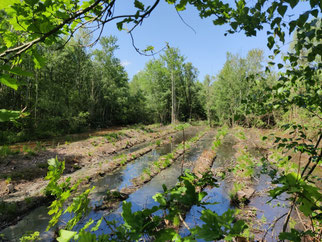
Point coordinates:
[(78, 89), (51, 84)]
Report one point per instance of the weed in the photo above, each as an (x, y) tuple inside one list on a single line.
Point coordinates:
[(245, 166), (28, 200), (5, 151), (121, 156), (233, 193), (8, 180), (241, 135), (8, 209), (29, 151), (42, 165), (123, 161), (158, 142), (156, 164), (94, 143), (29, 236), (112, 137), (39, 147), (147, 171)]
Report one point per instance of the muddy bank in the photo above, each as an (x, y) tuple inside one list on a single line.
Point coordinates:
[(161, 164), (26, 195), (249, 183), (114, 181)]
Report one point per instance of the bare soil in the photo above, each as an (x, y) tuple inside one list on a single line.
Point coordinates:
[(22, 175)]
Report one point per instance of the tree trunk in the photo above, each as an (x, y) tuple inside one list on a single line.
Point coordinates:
[(173, 111)]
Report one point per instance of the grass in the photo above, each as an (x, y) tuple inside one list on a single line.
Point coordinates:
[(42, 165), (6, 151), (8, 180), (119, 156), (113, 137), (147, 171), (165, 160), (8, 210), (29, 151), (233, 193), (123, 161), (158, 142), (245, 166)]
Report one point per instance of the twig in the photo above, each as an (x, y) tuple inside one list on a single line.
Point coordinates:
[(22, 48), (183, 222), (273, 225), (299, 215), (185, 22)]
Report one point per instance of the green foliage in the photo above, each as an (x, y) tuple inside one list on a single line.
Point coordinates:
[(219, 227), (5, 151), (112, 137), (30, 237), (245, 165), (239, 93), (154, 82), (221, 133), (60, 101), (9, 115), (173, 203), (158, 142), (79, 206), (308, 195)]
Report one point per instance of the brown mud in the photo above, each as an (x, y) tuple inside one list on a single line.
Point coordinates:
[(253, 196), (164, 163), (88, 159)]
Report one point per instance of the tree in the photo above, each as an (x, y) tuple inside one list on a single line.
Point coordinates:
[(110, 90), (207, 97), (171, 88)]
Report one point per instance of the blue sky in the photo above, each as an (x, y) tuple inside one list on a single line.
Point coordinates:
[(206, 48)]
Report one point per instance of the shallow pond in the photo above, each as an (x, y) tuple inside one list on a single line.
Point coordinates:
[(37, 219)]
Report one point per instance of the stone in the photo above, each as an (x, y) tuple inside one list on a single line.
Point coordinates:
[(245, 194)]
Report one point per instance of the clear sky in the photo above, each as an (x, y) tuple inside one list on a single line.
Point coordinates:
[(206, 48)]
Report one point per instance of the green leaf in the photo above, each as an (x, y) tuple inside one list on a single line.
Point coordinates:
[(271, 42), (38, 60), (294, 235), (280, 66), (119, 25), (315, 13), (149, 48), (16, 70), (293, 3), (292, 25), (139, 5), (165, 235), (7, 3), (65, 235), (182, 5), (313, 3), (302, 19), (8, 81), (160, 199), (234, 25), (9, 115), (282, 9), (98, 224), (219, 21)]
